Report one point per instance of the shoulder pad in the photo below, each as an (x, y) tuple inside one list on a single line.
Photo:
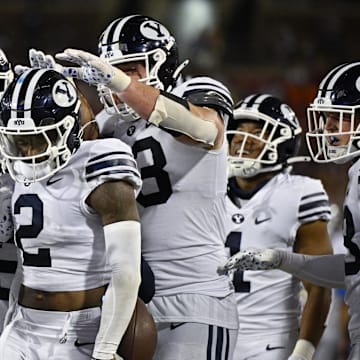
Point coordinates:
[(205, 91), (211, 99)]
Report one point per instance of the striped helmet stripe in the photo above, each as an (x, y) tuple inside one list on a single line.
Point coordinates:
[(255, 102), (327, 84), (112, 33), (23, 93)]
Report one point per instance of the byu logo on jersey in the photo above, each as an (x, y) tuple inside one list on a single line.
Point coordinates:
[(130, 131), (154, 30), (64, 93), (237, 218)]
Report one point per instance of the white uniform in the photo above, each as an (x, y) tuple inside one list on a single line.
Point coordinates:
[(63, 249), (182, 209), (268, 302), (352, 258)]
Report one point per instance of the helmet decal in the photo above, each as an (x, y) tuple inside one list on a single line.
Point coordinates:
[(154, 30), (357, 84), (288, 114), (64, 93)]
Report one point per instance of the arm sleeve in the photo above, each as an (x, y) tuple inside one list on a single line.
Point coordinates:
[(324, 270), (123, 248)]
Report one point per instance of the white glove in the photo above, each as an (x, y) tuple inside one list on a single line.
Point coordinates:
[(39, 60), (94, 70), (252, 259)]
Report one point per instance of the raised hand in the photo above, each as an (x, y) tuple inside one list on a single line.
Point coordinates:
[(252, 259), (93, 70), (39, 60)]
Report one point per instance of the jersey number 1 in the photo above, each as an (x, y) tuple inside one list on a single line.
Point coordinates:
[(233, 242)]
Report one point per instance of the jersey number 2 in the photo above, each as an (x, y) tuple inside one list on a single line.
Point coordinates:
[(42, 258)]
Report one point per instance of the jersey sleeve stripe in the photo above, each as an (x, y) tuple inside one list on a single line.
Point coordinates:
[(313, 216), (113, 172), (314, 207), (109, 164), (313, 195), (95, 158), (313, 204)]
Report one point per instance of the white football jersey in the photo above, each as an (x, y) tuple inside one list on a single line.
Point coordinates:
[(182, 201), (352, 243), (61, 239), (268, 300)]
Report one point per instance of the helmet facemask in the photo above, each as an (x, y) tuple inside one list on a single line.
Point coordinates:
[(50, 145), (152, 60), (5, 80), (322, 142), (272, 134)]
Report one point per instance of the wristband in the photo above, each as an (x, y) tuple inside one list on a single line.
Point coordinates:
[(304, 349), (120, 81)]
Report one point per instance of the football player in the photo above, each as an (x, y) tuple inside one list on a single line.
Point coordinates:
[(8, 256), (270, 207), (176, 132), (76, 225), (333, 136)]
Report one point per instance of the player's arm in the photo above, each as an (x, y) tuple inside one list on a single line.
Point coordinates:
[(196, 124), (312, 238), (323, 270), (116, 206), (190, 123)]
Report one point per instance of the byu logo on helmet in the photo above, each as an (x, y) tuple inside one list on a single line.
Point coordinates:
[(64, 94), (289, 115), (357, 84), (153, 30)]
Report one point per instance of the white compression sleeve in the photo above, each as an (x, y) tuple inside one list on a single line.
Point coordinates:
[(123, 247), (173, 115), (323, 270)]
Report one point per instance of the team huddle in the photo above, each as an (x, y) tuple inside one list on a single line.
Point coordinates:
[(171, 195)]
